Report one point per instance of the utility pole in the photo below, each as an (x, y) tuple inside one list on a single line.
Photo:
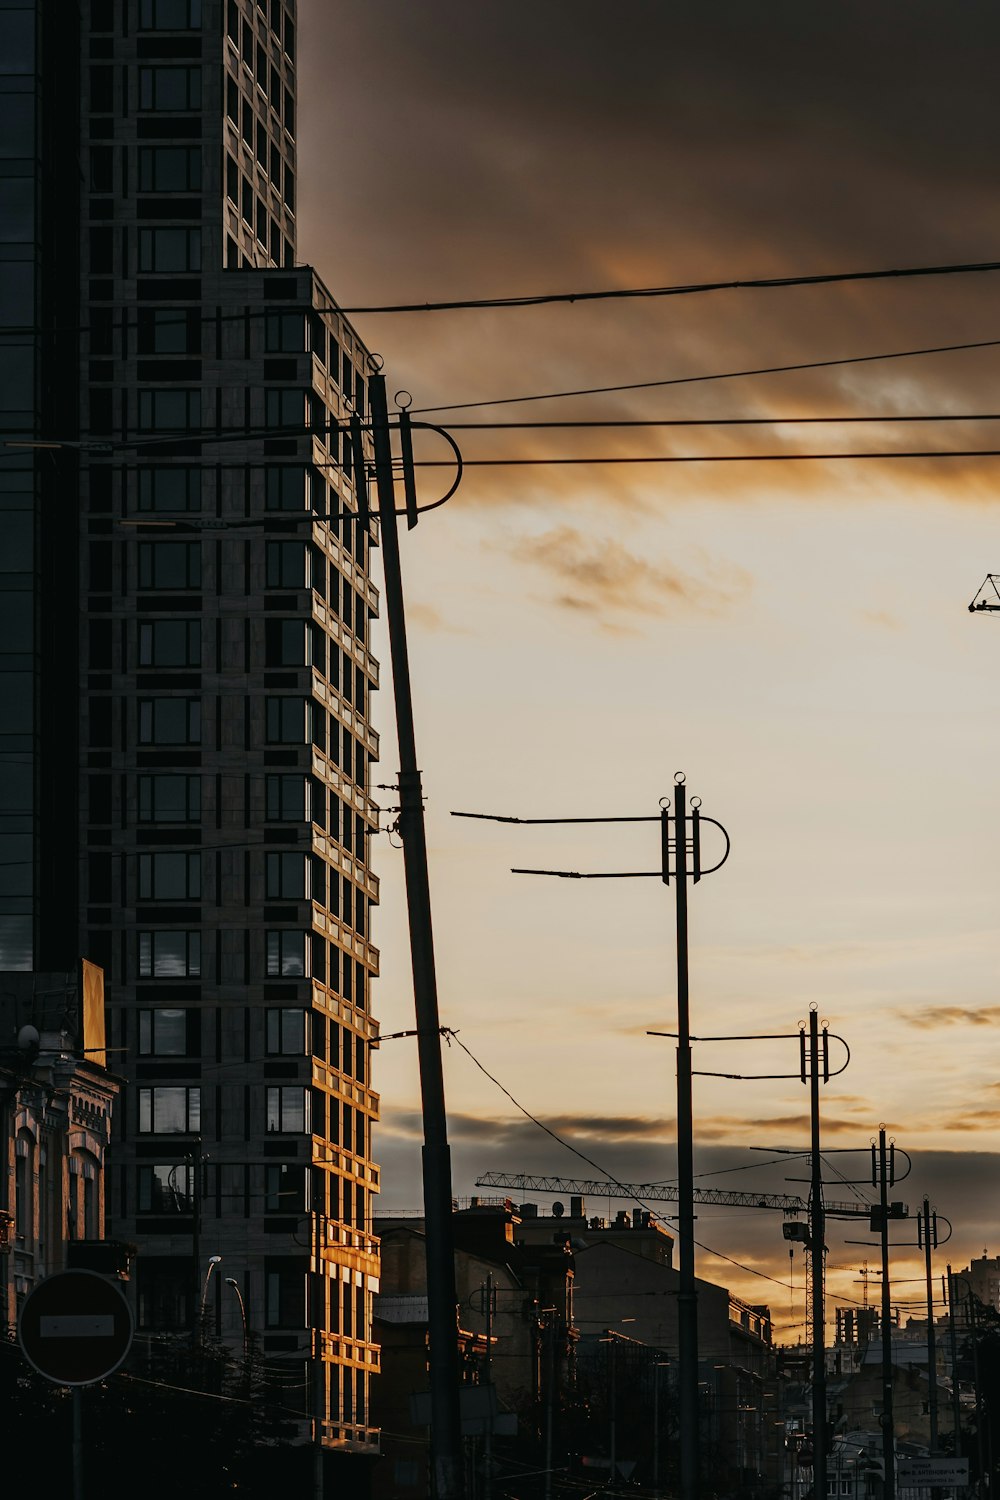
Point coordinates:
[(446, 1439), (488, 1437), (927, 1239), (884, 1176), (687, 1295), (676, 844), (817, 1059), (956, 1407)]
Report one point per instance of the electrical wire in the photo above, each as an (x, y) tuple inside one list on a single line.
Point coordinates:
[(450, 1035), (687, 289), (647, 385), (708, 458)]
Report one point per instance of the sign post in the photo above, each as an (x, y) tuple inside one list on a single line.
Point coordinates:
[(75, 1329)]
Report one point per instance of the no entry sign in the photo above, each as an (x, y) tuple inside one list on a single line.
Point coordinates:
[(75, 1328)]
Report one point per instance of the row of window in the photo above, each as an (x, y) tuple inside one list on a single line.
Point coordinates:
[(176, 797), (241, 34), (177, 955), (168, 1188), (170, 1109), (293, 642), (171, 875), (295, 564), (176, 723)]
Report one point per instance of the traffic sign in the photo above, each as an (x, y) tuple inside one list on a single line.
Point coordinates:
[(932, 1471), (75, 1328)]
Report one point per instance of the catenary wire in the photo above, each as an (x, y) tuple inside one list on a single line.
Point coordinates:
[(686, 289), (646, 385), (751, 1270)]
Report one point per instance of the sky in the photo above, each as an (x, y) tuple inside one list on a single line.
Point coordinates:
[(792, 636)]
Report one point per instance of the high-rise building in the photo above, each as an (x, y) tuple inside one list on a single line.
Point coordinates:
[(185, 744)]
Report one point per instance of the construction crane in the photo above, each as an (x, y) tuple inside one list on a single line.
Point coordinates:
[(653, 1192), (988, 596)]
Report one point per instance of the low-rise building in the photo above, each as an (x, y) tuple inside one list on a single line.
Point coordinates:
[(56, 1098)]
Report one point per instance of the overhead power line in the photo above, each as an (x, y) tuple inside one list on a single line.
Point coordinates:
[(686, 289), (649, 385)]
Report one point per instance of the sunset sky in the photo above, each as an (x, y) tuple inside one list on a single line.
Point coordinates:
[(793, 636)]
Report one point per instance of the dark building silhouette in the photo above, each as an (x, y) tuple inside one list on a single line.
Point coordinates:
[(185, 745)]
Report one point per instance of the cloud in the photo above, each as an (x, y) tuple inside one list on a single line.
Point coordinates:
[(601, 577), (930, 1017), (428, 617)]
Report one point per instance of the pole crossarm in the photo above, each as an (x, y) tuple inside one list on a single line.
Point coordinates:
[(652, 1192), (987, 596)]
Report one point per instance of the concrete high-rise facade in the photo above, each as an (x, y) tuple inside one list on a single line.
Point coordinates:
[(185, 604)]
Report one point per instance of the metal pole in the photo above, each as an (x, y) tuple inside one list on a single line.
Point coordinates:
[(77, 1443), (956, 1408), (687, 1297), (488, 1439), (613, 1433), (817, 1251), (888, 1425), (196, 1240), (550, 1381), (318, 1376), (445, 1440), (973, 1331), (929, 1228)]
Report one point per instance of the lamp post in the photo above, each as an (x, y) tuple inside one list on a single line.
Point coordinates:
[(231, 1281), (213, 1261)]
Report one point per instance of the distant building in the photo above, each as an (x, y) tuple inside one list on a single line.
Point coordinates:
[(515, 1332), (983, 1277), (56, 1099)]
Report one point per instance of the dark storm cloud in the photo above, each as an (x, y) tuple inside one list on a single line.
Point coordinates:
[(450, 149)]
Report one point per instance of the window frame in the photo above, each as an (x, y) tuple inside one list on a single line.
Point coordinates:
[(153, 965), (189, 1096)]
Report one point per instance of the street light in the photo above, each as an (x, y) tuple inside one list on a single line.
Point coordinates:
[(231, 1281), (213, 1261)]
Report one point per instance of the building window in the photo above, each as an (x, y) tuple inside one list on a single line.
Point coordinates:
[(169, 411), (287, 955), (289, 721), (286, 408), (287, 643), (170, 489), (169, 1111), (163, 1292), (287, 565), (169, 88), (285, 1293), (169, 15), (168, 330), (170, 643), (288, 1111), (286, 1032), (166, 1189), (169, 1033), (169, 721), (287, 488), (169, 799), (285, 333), (169, 955), (288, 799), (169, 169), (167, 251), (169, 876), (286, 876), (170, 565), (286, 1188)]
